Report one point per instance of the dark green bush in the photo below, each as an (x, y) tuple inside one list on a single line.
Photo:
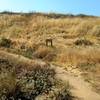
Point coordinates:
[(83, 42), (28, 53), (4, 42)]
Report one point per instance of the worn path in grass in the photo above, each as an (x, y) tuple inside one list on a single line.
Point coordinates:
[(81, 88)]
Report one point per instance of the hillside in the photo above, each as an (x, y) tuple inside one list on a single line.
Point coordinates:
[(76, 48)]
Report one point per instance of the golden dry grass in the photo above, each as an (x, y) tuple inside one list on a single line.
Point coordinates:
[(76, 56), (31, 31)]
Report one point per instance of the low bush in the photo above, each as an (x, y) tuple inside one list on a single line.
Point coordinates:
[(83, 42), (42, 52), (4, 42), (28, 53)]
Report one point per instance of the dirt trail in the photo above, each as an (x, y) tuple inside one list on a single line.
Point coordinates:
[(17, 58), (82, 89)]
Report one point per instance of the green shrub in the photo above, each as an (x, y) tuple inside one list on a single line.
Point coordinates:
[(4, 42), (84, 42), (28, 53)]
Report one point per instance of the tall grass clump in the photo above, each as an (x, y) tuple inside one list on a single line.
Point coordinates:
[(75, 56), (96, 31), (42, 52)]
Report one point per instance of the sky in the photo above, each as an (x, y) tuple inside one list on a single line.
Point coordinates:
[(89, 7)]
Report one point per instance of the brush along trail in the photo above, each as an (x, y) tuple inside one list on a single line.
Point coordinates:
[(81, 88)]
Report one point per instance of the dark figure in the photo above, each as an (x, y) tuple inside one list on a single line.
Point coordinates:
[(49, 42)]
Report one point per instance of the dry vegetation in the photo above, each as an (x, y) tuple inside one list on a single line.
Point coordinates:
[(20, 80), (76, 41)]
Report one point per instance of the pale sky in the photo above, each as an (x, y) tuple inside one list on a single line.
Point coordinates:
[(90, 7)]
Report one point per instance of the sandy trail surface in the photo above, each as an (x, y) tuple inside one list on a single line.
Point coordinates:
[(81, 88)]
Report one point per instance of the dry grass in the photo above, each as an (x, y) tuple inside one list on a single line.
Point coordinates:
[(42, 52), (28, 34), (39, 25), (74, 56), (7, 82), (28, 81)]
